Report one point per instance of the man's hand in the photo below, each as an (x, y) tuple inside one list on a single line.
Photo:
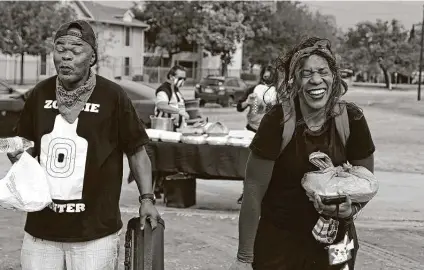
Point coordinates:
[(238, 265), (148, 212), (345, 209), (15, 156)]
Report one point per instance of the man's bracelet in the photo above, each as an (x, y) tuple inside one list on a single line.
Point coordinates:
[(147, 197)]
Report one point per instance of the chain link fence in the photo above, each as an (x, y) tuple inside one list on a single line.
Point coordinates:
[(33, 70), (36, 70)]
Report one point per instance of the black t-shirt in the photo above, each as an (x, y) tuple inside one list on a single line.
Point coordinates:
[(285, 202), (83, 161)]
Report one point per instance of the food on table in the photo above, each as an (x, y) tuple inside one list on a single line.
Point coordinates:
[(169, 136), (241, 134), (194, 139), (154, 134), (217, 129), (244, 142), (217, 140), (192, 130)]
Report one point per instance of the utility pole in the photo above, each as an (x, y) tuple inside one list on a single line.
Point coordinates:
[(421, 57)]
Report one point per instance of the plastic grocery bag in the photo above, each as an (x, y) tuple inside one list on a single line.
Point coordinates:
[(12, 144), (356, 181), (25, 186)]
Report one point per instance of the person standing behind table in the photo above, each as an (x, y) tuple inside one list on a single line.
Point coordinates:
[(264, 95), (169, 101), (81, 124)]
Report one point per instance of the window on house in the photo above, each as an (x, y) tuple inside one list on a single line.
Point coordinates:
[(43, 64), (127, 66), (127, 36)]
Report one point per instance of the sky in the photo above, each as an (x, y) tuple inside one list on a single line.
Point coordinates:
[(348, 13)]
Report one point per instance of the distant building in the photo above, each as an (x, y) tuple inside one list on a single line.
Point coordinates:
[(120, 45)]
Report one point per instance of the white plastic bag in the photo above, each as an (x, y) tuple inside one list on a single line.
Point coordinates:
[(12, 144), (356, 181), (25, 186)]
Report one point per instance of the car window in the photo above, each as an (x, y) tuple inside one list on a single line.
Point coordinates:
[(233, 83)]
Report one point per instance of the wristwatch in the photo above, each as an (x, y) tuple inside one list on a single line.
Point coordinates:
[(148, 196)]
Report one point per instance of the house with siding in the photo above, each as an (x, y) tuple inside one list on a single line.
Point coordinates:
[(120, 45)]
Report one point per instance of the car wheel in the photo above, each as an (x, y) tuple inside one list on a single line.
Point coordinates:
[(230, 101)]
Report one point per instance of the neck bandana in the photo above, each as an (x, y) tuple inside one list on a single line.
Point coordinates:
[(71, 103)]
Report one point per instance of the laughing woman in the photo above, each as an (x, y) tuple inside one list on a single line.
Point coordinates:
[(276, 217)]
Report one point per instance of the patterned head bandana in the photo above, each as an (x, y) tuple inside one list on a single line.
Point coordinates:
[(322, 45), (70, 103)]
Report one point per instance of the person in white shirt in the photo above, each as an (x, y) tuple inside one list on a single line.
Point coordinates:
[(259, 98)]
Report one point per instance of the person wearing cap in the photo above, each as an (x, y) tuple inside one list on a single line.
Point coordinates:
[(82, 124)]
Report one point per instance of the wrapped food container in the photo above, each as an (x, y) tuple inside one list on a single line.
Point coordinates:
[(169, 136), (217, 129), (217, 140), (241, 134), (154, 134), (239, 142), (193, 139)]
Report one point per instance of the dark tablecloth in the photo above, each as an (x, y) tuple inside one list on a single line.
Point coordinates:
[(203, 161)]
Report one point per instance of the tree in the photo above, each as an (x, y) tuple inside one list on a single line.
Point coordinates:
[(27, 27), (223, 25), (173, 24), (214, 26), (282, 26), (383, 43)]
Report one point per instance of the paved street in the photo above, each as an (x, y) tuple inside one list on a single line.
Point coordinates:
[(391, 228)]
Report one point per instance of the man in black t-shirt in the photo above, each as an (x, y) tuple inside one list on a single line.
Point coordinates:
[(81, 124)]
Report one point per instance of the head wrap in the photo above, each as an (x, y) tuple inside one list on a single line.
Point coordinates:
[(322, 45)]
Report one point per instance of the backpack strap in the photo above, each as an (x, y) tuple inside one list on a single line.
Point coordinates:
[(289, 125), (342, 122)]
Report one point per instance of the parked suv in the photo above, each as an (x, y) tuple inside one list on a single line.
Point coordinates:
[(225, 91)]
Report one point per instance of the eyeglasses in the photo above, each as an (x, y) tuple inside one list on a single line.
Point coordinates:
[(181, 78), (307, 74)]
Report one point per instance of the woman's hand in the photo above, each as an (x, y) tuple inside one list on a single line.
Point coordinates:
[(345, 209), (251, 98), (238, 265), (184, 114)]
